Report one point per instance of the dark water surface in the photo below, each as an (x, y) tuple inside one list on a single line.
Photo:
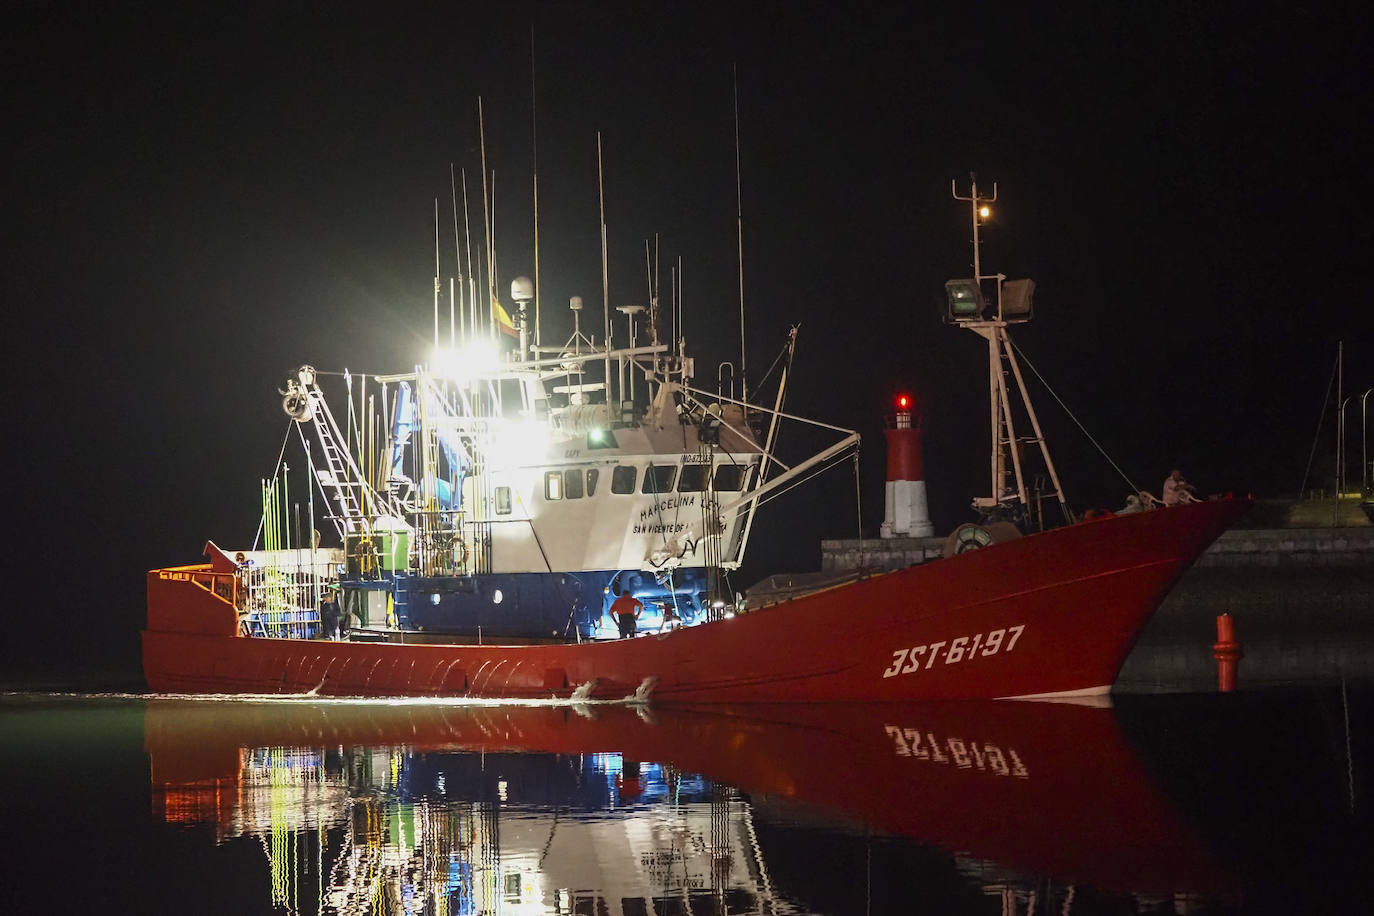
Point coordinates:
[(1187, 803)]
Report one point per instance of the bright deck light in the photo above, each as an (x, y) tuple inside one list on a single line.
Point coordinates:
[(520, 443), (471, 360)]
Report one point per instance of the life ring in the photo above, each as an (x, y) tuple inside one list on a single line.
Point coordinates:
[(460, 553), (975, 537)]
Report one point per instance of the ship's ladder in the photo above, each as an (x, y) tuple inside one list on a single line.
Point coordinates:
[(340, 472), (429, 457)]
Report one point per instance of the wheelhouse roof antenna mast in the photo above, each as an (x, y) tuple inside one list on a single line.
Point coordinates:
[(968, 308)]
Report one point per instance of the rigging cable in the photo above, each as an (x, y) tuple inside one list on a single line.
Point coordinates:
[(776, 360), (281, 455), (1060, 401), (818, 470), (1302, 491), (859, 506)]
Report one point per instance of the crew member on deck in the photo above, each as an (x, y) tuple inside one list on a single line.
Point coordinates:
[(670, 618), (626, 610), (1177, 491), (330, 615)]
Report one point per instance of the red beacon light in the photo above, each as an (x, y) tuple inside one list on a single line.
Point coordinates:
[(905, 407)]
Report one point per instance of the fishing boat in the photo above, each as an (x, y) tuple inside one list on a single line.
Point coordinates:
[(491, 506)]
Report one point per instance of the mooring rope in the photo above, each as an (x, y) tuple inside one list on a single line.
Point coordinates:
[(1321, 420)]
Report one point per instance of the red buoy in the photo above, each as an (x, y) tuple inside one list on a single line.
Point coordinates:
[(1226, 650)]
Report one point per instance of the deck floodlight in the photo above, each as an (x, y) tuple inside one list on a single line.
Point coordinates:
[(964, 300), (1016, 299)]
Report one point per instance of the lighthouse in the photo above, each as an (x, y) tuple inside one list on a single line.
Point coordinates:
[(906, 512)]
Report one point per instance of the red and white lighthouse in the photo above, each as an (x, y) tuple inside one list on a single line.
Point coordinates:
[(906, 512)]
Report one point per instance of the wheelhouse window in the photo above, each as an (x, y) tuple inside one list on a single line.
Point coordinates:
[(553, 485), (693, 478), (658, 478), (623, 478), (503, 500), (592, 475), (572, 484), (730, 477)]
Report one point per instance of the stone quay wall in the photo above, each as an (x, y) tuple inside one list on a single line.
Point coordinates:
[(1302, 548)]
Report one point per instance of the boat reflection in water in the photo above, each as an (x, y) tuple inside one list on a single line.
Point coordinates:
[(608, 809)]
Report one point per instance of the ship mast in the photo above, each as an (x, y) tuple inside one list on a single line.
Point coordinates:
[(967, 307), (739, 247)]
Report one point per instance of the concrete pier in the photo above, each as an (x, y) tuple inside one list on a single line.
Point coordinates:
[(1292, 548), (1300, 548)]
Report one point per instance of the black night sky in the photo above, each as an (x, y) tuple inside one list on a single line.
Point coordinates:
[(198, 201)]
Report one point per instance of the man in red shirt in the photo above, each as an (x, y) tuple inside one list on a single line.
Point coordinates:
[(625, 610)]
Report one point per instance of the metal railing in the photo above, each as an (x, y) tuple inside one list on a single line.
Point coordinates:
[(279, 595)]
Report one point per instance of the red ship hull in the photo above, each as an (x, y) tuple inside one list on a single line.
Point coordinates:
[(1052, 614)]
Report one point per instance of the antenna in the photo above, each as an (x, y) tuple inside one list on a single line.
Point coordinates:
[(438, 287), (467, 237), (493, 281), (605, 276), (653, 299), (457, 249), (648, 271), (534, 149), (977, 212), (739, 238), (486, 210)]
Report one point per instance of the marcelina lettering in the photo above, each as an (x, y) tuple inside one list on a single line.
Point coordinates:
[(667, 504)]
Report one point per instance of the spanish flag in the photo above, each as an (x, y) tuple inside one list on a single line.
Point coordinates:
[(501, 317)]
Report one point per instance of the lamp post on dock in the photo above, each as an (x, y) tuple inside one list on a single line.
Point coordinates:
[(1364, 443)]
